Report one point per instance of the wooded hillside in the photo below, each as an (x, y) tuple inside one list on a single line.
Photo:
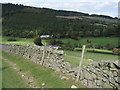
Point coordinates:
[(28, 22)]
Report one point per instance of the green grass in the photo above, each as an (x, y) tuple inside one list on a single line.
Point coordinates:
[(40, 73), (20, 41), (103, 40), (95, 50), (99, 41), (74, 57), (11, 79)]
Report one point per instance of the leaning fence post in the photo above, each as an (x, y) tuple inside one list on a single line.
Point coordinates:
[(81, 60), (43, 56)]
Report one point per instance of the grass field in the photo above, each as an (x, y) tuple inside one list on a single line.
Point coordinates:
[(40, 73), (20, 41), (74, 57), (95, 50), (99, 41), (10, 78)]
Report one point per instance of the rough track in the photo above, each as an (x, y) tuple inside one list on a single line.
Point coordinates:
[(25, 75)]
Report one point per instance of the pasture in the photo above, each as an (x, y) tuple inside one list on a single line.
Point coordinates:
[(20, 41), (74, 57), (98, 40), (103, 41)]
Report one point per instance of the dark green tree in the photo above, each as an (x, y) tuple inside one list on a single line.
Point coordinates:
[(37, 41)]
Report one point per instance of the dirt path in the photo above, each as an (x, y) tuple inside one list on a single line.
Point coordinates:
[(25, 75)]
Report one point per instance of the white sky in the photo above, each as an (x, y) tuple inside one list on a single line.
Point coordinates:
[(105, 7)]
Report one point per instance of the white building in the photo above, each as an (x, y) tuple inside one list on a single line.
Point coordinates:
[(45, 36)]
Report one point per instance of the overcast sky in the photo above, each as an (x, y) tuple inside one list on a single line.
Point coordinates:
[(105, 7)]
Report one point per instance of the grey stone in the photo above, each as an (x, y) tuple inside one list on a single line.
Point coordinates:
[(98, 82), (43, 84), (93, 76), (107, 85), (90, 84), (73, 86), (67, 65), (84, 82), (111, 80), (117, 79), (110, 65), (64, 78), (60, 52), (117, 64)]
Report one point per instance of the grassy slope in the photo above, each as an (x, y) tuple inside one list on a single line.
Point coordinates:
[(11, 79), (102, 19), (42, 75), (74, 57)]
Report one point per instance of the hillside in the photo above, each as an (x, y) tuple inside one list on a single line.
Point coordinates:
[(26, 21)]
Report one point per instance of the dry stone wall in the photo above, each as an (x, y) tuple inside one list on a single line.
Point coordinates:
[(104, 74)]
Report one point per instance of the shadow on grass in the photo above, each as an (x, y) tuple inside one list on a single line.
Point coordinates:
[(3, 68)]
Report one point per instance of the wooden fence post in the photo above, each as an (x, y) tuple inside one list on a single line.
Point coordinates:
[(43, 56), (81, 60)]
